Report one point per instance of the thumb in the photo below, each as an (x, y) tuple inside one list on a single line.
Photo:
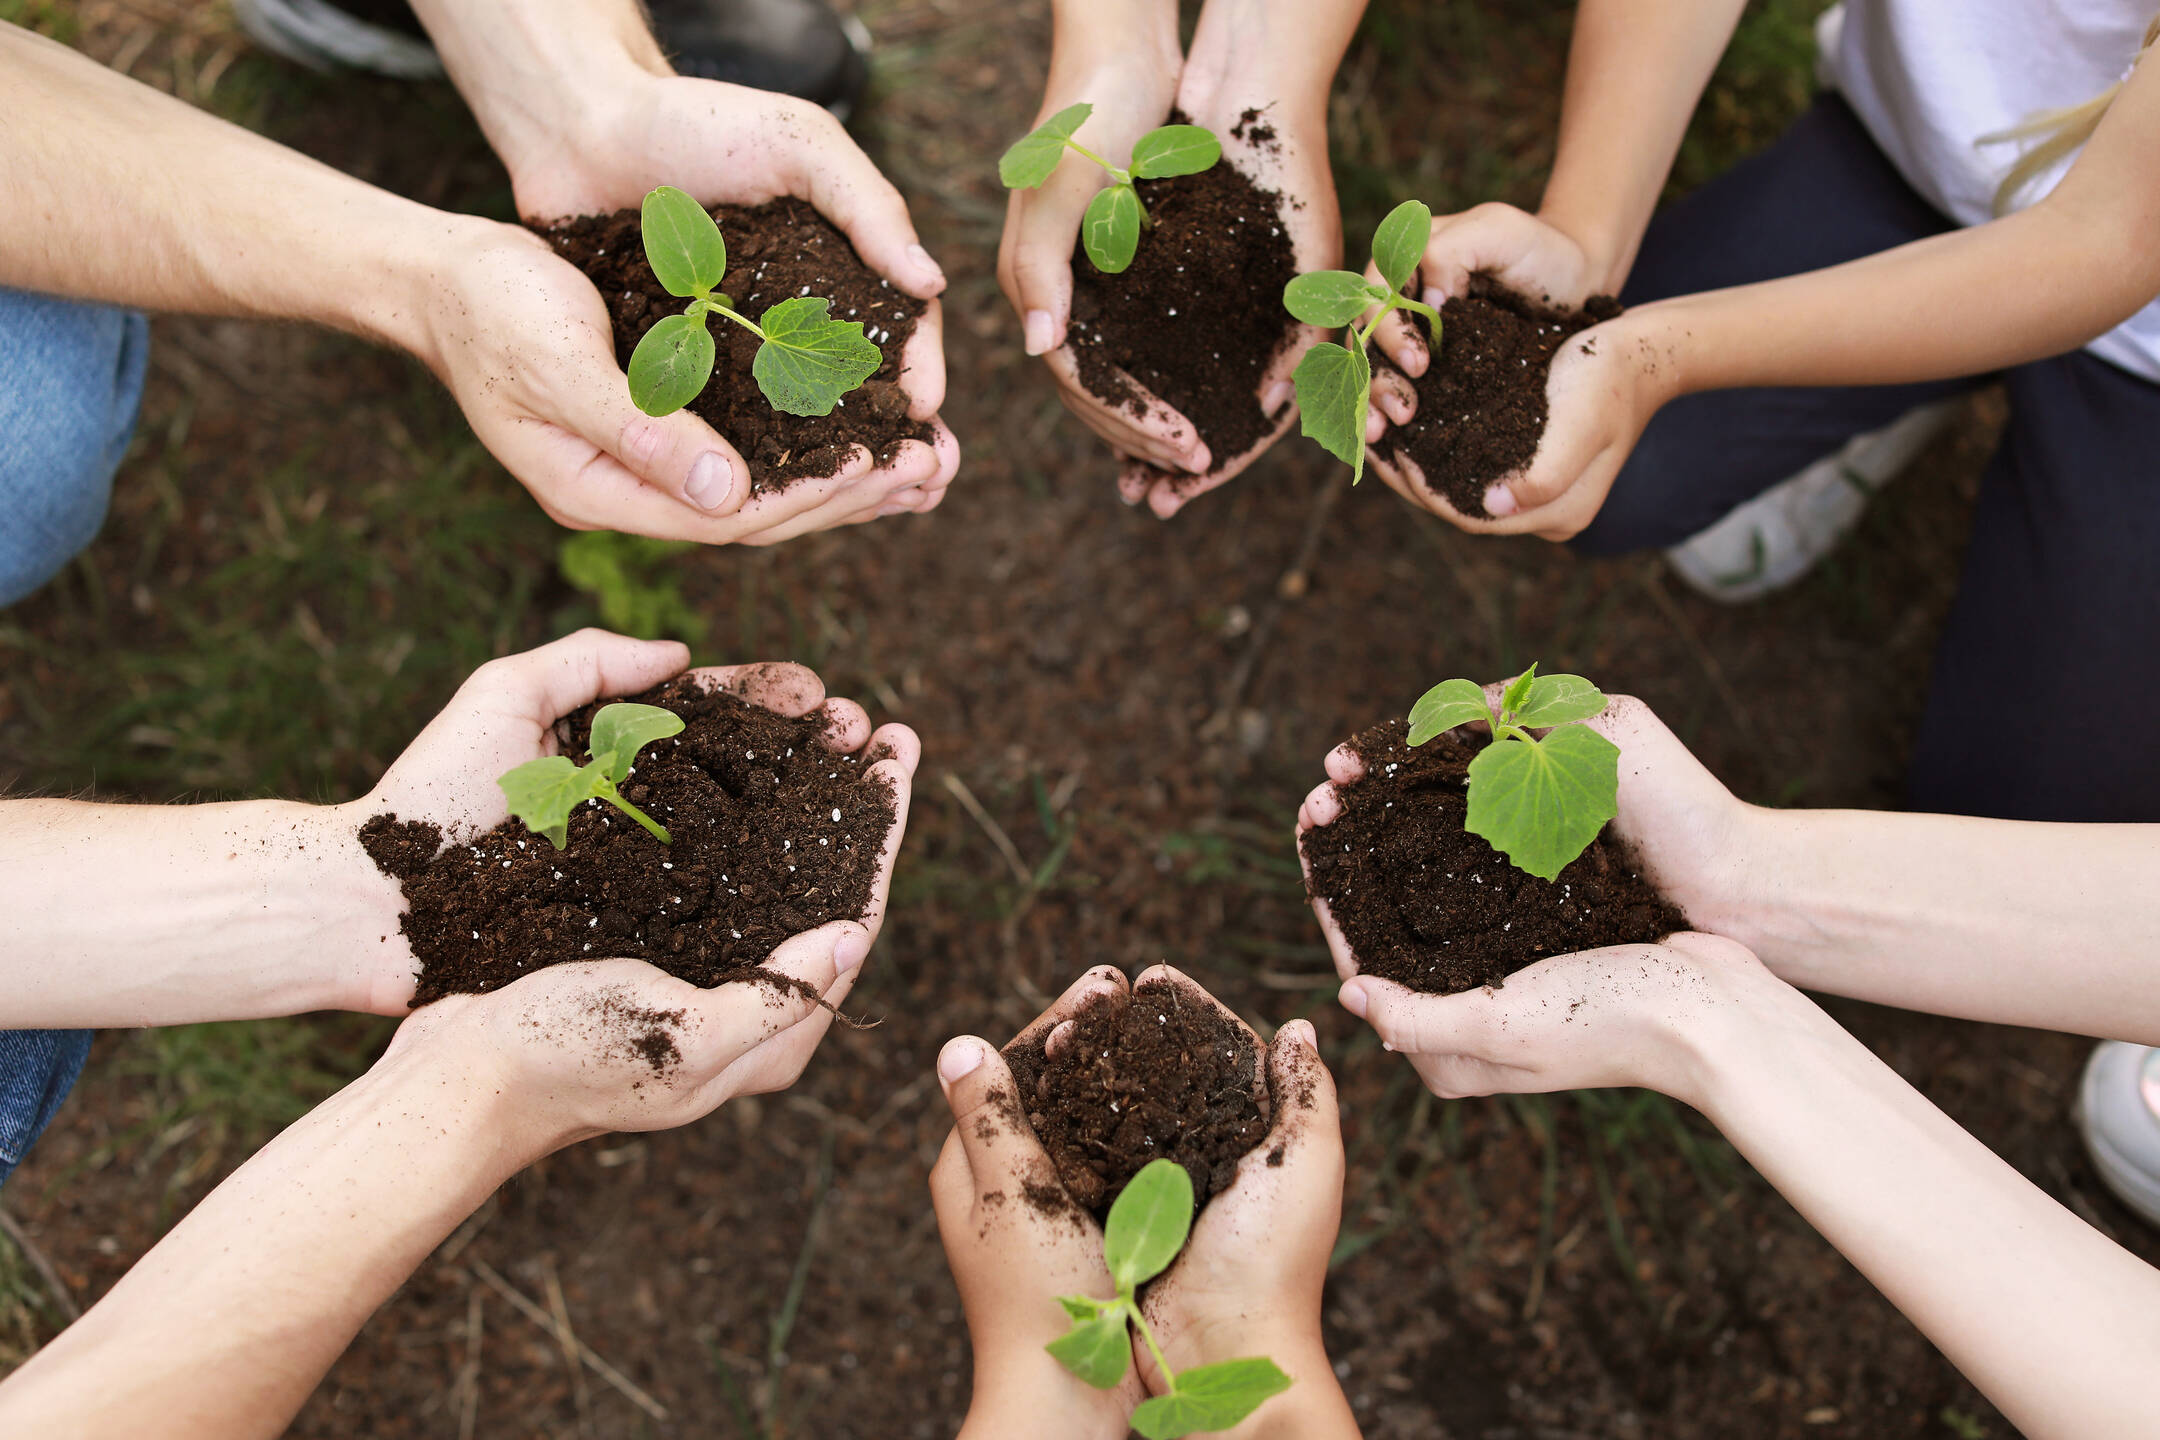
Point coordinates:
[(1413, 1024), (1302, 1092), (791, 986), (1042, 254), (1002, 1151), (677, 454)]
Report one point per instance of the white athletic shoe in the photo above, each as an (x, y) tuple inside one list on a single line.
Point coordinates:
[(2118, 1113), (1777, 537), (324, 37)]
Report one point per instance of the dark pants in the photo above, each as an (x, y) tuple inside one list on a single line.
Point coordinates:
[(2046, 686)]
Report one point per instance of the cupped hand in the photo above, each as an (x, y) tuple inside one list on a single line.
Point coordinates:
[(1513, 246), (505, 714), (1695, 838), (1295, 165), (1016, 1242)]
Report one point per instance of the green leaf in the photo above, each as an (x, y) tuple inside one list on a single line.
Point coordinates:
[(1110, 230), (1399, 243), (1148, 1223), (1511, 698), (1034, 155), (809, 360), (1445, 706), (1174, 150), (1096, 1350), (1560, 700), (1082, 1307), (671, 365), (1332, 382), (1210, 1397), (620, 730), (542, 793), (688, 256), (1330, 299), (1541, 802)]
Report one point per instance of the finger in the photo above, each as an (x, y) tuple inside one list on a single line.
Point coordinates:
[(1038, 253), (1343, 765), (990, 1125), (902, 752), (1307, 1117), (545, 684), (1403, 343), (922, 364), (847, 726), (678, 455), (1103, 982), (854, 195), (738, 1016), (1323, 806), (1394, 396), (1136, 479), (1415, 1024), (780, 686), (1172, 493), (1144, 428)]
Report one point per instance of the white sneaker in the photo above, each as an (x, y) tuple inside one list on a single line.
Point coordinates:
[(1777, 537), (2118, 1113), (322, 36)]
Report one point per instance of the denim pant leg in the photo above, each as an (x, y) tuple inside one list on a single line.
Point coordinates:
[(1822, 195), (71, 379), (2047, 677), (37, 1069)]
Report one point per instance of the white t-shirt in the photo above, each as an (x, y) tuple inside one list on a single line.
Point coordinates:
[(1929, 77)]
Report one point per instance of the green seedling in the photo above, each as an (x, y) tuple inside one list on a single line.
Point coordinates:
[(542, 793), (1538, 802), (808, 361), (1333, 380), (1110, 230), (1146, 1229)]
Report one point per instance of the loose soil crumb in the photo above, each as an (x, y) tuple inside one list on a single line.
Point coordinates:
[(1424, 902), (1151, 1076), (776, 251), (774, 834), (1481, 402), (635, 1031), (1198, 316)]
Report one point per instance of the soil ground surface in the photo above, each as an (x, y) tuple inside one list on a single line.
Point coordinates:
[(308, 552), (775, 251), (1481, 401), (1156, 1075), (770, 833), (1197, 317), (1424, 902)]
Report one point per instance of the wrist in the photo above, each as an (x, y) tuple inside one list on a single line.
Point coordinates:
[(1712, 1051), (453, 1097), (1279, 52), (1014, 1393)]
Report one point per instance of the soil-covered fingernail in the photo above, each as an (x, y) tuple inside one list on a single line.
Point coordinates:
[(712, 480), (850, 950), (959, 1059), (1500, 501), (1353, 998), (1038, 332)]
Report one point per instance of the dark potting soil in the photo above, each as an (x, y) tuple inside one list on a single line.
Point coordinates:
[(773, 834), (1481, 402), (1424, 902), (775, 251), (1198, 316), (1151, 1076)]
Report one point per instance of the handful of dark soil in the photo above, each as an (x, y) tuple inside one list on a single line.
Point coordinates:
[(1198, 316), (1481, 402), (774, 834), (1155, 1075), (775, 251), (1427, 904)]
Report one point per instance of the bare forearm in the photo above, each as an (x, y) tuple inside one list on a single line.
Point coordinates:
[(225, 1327), (1287, 49), (2056, 1325), (128, 915), (120, 194), (2053, 926), (1635, 73)]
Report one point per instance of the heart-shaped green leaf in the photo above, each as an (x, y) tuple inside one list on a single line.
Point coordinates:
[(1209, 1398), (1541, 802), (682, 244), (1096, 1350), (671, 365), (1148, 1223), (1110, 230), (1445, 706), (620, 730), (809, 360), (1034, 155), (1174, 150), (1330, 299), (543, 792), (1332, 382), (1399, 243), (1559, 700)]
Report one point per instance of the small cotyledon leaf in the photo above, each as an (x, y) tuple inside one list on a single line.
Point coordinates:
[(1031, 158), (1148, 1223), (682, 244)]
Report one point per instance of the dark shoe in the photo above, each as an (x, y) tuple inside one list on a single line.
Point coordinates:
[(790, 47)]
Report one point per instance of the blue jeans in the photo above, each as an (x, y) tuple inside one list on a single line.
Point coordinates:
[(71, 379), (2057, 597)]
